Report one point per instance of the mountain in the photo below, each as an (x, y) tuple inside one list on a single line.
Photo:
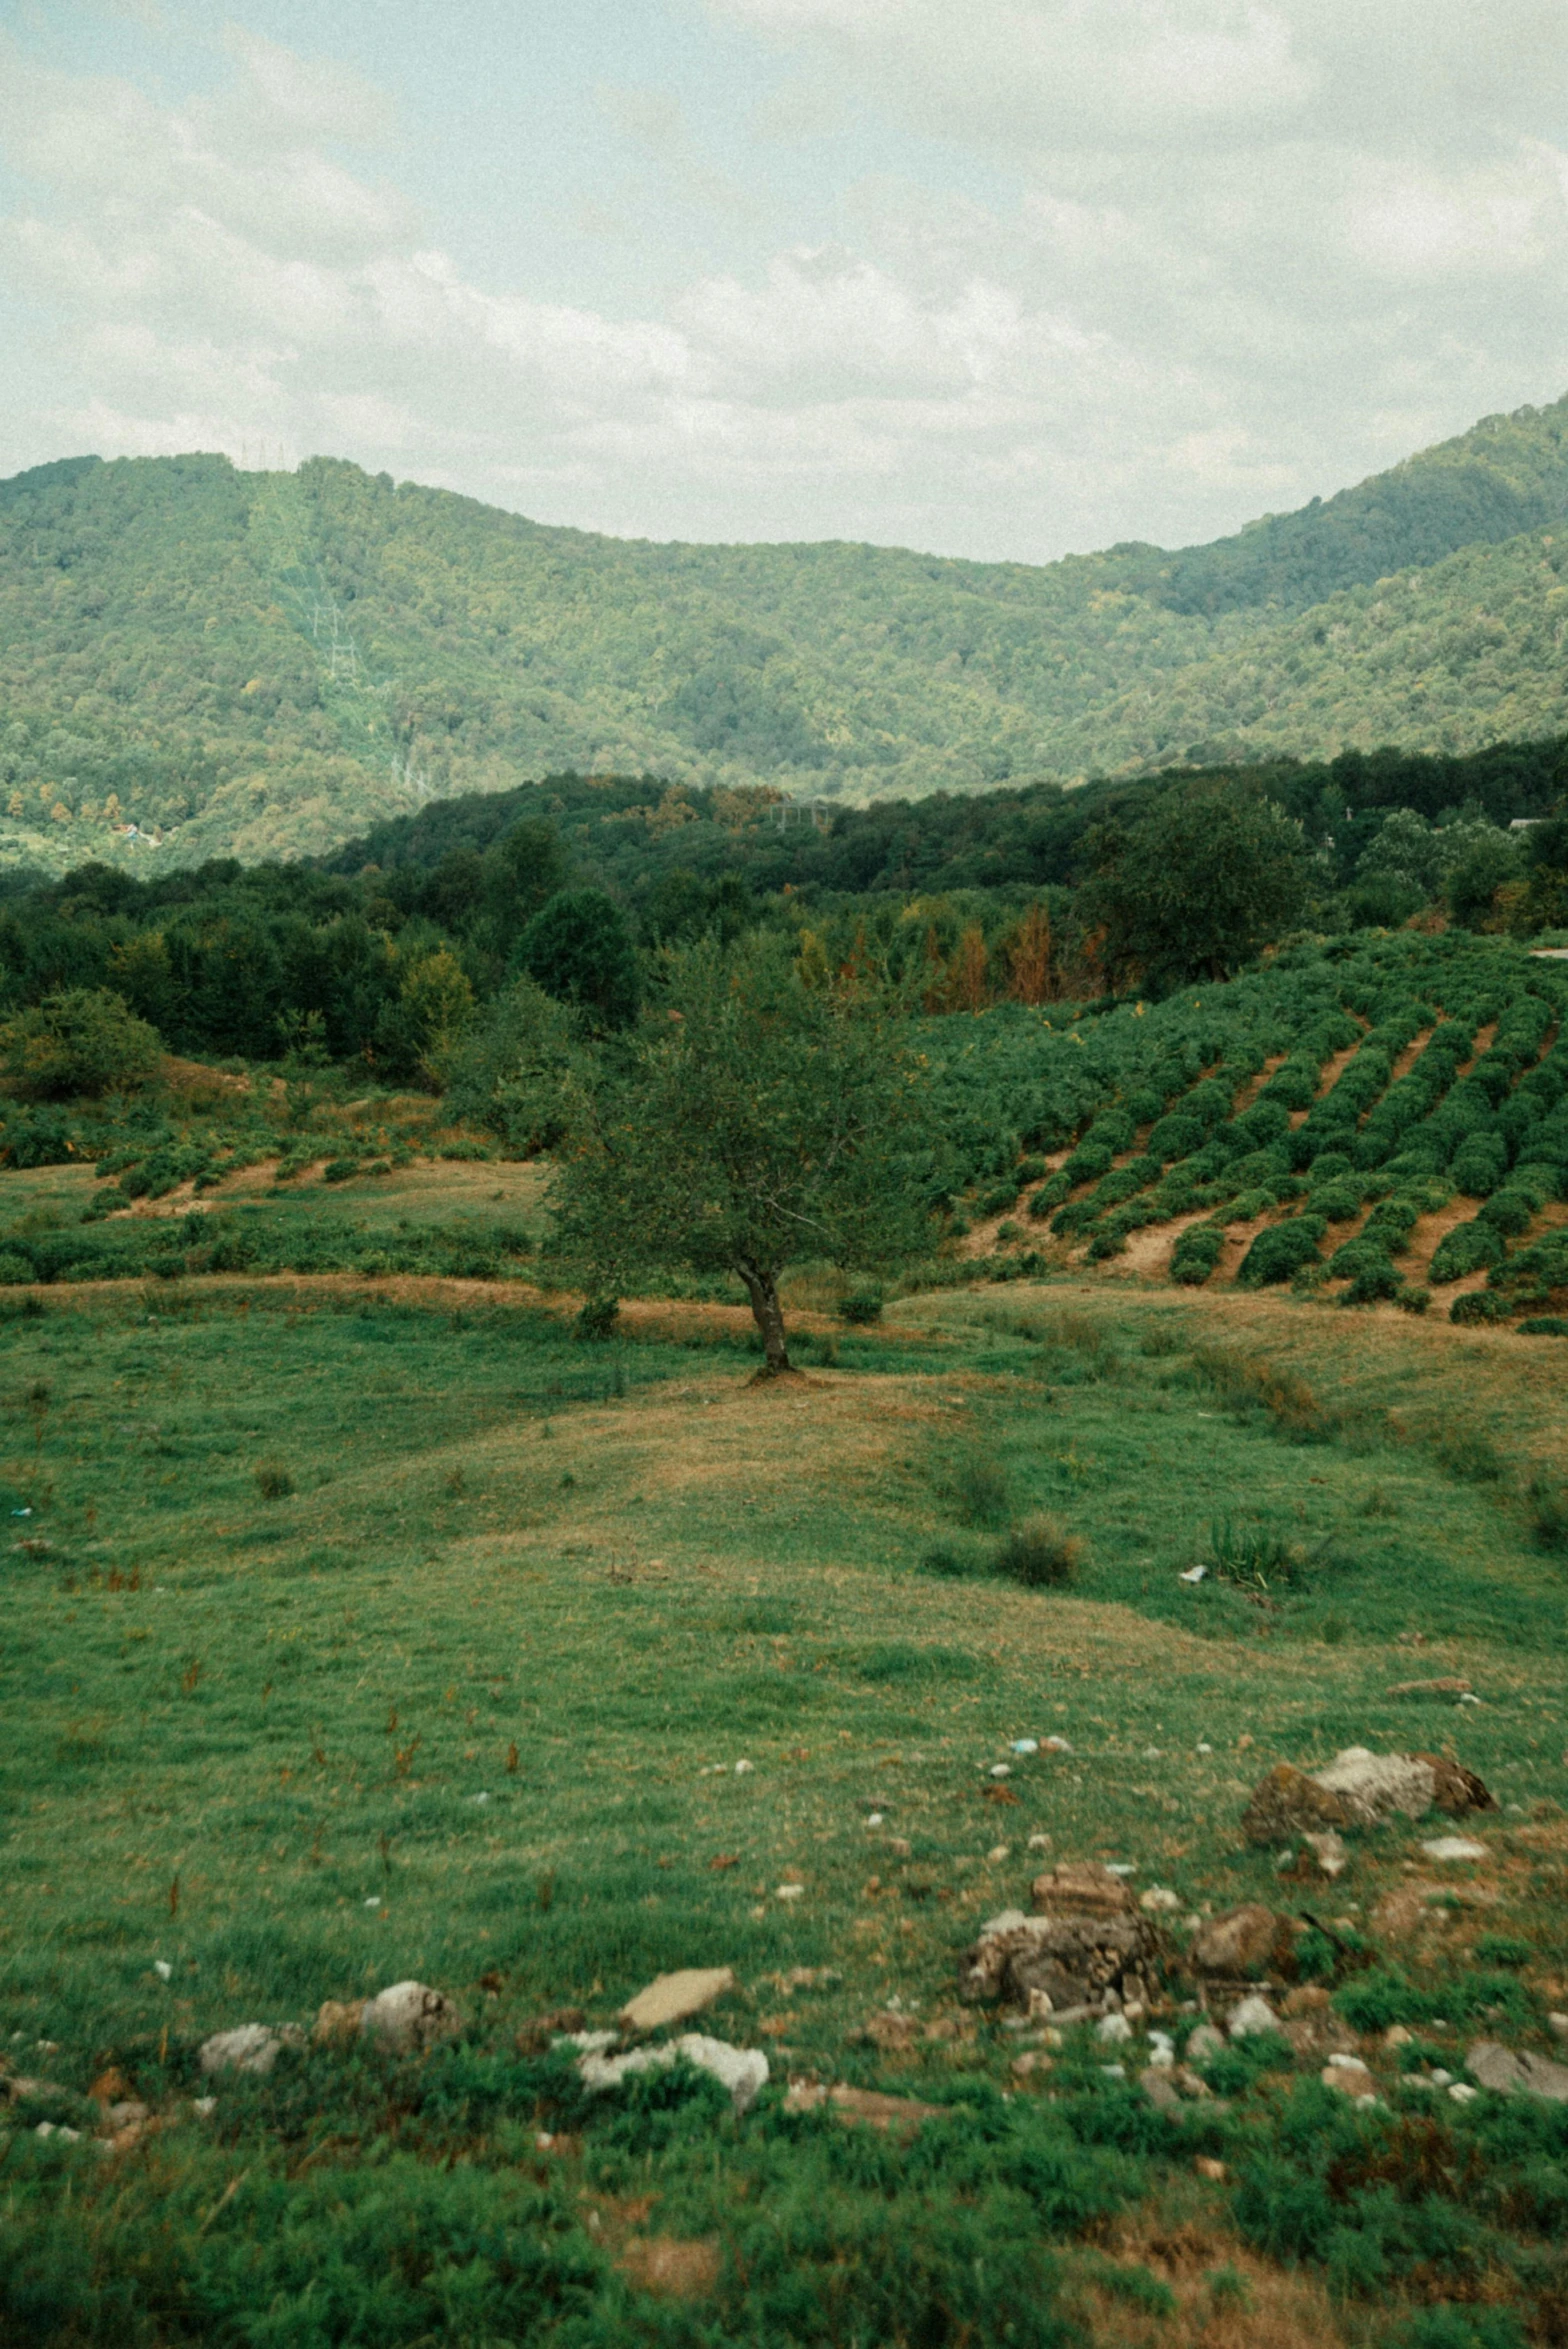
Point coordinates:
[(269, 664)]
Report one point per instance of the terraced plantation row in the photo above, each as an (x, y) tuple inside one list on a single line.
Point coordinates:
[(1375, 1122)]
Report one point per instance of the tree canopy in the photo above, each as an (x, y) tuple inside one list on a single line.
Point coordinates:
[(1197, 885), (749, 1122)]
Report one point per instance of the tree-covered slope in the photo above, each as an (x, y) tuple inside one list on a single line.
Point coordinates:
[(267, 664)]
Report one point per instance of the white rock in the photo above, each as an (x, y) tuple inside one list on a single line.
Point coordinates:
[(1152, 1753), (1442, 2079), (1375, 1785), (409, 2015), (1113, 2029), (1114, 2071), (790, 1892), (1204, 2045), (1039, 1843), (1205, 1749), (1193, 1574), (1005, 1921), (1463, 2093), (742, 1769), (675, 1998), (1121, 1867), (1055, 1745), (874, 1818), (1558, 2026), (586, 2042), (742, 2070), (1001, 1769), (253, 2047), (162, 1968), (1026, 1745), (1454, 1847), (1159, 1898), (1253, 2014), (58, 2129), (204, 2107)]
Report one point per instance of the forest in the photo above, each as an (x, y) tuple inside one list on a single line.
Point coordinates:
[(198, 662)]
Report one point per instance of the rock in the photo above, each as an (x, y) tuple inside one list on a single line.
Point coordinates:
[(253, 2047), (337, 2023), (1430, 1688), (1205, 2044), (1456, 1790), (1161, 2090), (1082, 1888), (409, 2016), (1288, 1803), (1207, 2167), (1455, 1847), (672, 1998), (1307, 1998), (899, 2115), (1237, 1943), (1319, 2033), (1114, 2030), (1508, 2074), (1159, 1900), (1558, 2026), (1191, 2083), (1025, 2066), (1374, 1786), (1088, 1940), (742, 2070), (1252, 2016), (1348, 2075), (1315, 1859)]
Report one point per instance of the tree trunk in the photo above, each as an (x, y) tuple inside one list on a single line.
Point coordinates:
[(762, 1288)]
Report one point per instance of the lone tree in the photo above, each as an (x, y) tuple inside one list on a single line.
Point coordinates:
[(1198, 885), (748, 1121)]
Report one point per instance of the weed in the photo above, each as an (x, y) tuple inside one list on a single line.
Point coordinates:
[(978, 1489), (944, 1560), (1248, 1383), (860, 1307), (1462, 1450), (1039, 1554), (273, 1481), (1252, 1557)]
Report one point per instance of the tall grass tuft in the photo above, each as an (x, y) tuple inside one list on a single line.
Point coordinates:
[(1040, 1554)]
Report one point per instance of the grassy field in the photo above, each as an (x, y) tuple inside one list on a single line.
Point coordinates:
[(359, 1630)]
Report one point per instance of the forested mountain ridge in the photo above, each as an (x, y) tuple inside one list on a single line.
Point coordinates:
[(267, 664)]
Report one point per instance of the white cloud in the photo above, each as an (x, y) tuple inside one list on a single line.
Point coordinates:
[(1231, 253)]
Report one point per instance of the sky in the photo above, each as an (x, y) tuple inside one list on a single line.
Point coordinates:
[(993, 278)]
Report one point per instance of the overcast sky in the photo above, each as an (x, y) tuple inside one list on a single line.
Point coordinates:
[(1000, 278)]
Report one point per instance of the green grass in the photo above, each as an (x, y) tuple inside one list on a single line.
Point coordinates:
[(249, 1734)]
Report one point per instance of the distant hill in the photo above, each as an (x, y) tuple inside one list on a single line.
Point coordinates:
[(269, 664)]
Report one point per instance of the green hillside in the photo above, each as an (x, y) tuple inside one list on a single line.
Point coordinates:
[(267, 664)]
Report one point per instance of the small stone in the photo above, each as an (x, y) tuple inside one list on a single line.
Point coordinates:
[(1252, 2016), (790, 1892), (673, 1998), (1463, 2093), (162, 1968), (742, 2070), (897, 1848), (1025, 2066), (1347, 2075), (1558, 2026), (997, 1854), (1455, 1789), (1191, 2083), (1239, 1942), (1055, 1745), (1397, 2036), (1114, 2030), (1430, 1688), (204, 2107), (1161, 2090), (409, 2015), (1159, 1900), (1288, 1803), (1081, 1888), (1207, 2167), (1455, 1847), (900, 2116), (1508, 2074), (1205, 2044), (252, 2047)]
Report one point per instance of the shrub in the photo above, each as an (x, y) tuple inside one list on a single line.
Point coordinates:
[(1479, 1164), (1469, 1247), (944, 1560), (1039, 1554), (1196, 1254), (85, 1040), (860, 1307), (1544, 1325), (1050, 1195), (1281, 1251), (273, 1481), (1548, 1514)]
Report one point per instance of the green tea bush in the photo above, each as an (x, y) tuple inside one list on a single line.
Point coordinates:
[(1469, 1247), (1276, 1254), (1195, 1254), (1050, 1195), (1479, 1164)]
